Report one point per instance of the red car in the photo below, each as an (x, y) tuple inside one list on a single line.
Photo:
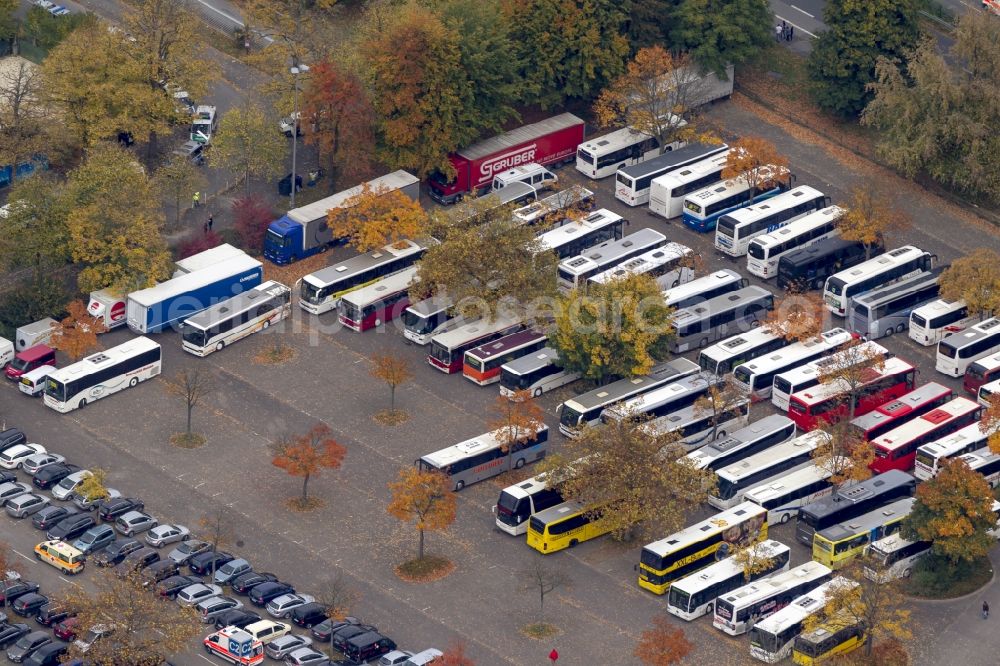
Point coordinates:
[(66, 630)]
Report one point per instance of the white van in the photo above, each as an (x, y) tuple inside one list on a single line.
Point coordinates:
[(33, 383), (428, 656), (532, 174), (6, 352)]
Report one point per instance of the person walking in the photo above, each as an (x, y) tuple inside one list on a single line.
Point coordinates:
[(778, 32), (210, 222), (791, 32), (986, 610), (196, 199)]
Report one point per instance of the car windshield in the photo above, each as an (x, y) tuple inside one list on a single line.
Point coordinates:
[(187, 547), (68, 483)]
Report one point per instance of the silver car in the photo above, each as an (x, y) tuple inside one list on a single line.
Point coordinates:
[(280, 648), (64, 489), (188, 549), (90, 504), (212, 607), (281, 607), (24, 505), (161, 535), (192, 594), (32, 464), (134, 522), (12, 489)]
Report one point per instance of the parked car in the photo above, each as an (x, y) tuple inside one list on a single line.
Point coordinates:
[(51, 515), (342, 635), (116, 551), (188, 549), (281, 607), (308, 614), (191, 150), (18, 588), (266, 631), (32, 464), (94, 539), (50, 654), (25, 505), (230, 570), (204, 563), (94, 634), (11, 633), (395, 658), (161, 535), (52, 614), (211, 608), (245, 582), (192, 594), (157, 571), (11, 437), (365, 647), (91, 503), (6, 476), (13, 457), (64, 489), (110, 509), (12, 489), (169, 587), (66, 629), (322, 631), (261, 594), (27, 644), (28, 605), (305, 655), (135, 561), (240, 617), (50, 475), (134, 522), (71, 527), (279, 648)]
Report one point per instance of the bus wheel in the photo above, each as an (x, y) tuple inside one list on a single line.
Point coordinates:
[(906, 573), (901, 328), (573, 542), (538, 392), (704, 342), (38, 556), (378, 322), (266, 324), (755, 323), (132, 382), (784, 518), (889, 331), (83, 403), (708, 609), (459, 486), (219, 346), (519, 464)]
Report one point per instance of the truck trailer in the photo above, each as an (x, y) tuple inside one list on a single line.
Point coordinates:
[(549, 142)]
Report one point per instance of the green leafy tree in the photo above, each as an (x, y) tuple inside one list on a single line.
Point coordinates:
[(616, 329), (649, 22), (177, 179), (34, 232), (716, 33), (46, 30), (31, 300), (8, 21), (842, 62), (247, 144)]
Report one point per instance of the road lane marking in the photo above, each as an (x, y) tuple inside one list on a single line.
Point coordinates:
[(803, 11), (71, 582), (207, 659), (24, 556), (800, 29)]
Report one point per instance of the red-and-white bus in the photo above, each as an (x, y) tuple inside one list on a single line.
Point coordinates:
[(827, 401), (482, 364), (981, 372), (377, 303), (897, 449), (448, 349), (903, 409)]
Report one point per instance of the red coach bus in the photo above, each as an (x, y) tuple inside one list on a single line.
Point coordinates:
[(448, 349), (897, 449), (377, 303), (482, 364), (896, 412)]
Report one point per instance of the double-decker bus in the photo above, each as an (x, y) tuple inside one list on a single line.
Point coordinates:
[(758, 436), (379, 302), (742, 608), (771, 639), (903, 409), (809, 267), (667, 192), (632, 183), (575, 271), (839, 544), (586, 408), (549, 208), (785, 495), (742, 475), (694, 548), (662, 400), (430, 317), (720, 359), (695, 594), (564, 526), (695, 428), (602, 156), (536, 373), (765, 251), (448, 348), (578, 236), (482, 364), (832, 401), (986, 463), (704, 288), (486, 456), (988, 393), (886, 310), (522, 500), (321, 291), (897, 449), (885, 269), (719, 317), (981, 372), (756, 377), (235, 318), (669, 263), (930, 323), (960, 350), (103, 373), (893, 557), (806, 376), (969, 439), (851, 501), (702, 209), (837, 636), (735, 230)]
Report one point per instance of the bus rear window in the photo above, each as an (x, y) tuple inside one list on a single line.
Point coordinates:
[(947, 350), (536, 525)]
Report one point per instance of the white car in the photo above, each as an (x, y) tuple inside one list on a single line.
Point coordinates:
[(281, 607), (192, 594), (33, 463), (12, 489), (161, 535), (13, 457), (305, 655)]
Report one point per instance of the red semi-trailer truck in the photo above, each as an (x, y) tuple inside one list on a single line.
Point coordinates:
[(548, 142)]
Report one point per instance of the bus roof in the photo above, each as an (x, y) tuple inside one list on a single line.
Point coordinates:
[(644, 263), (558, 512), (794, 479), (526, 487), (238, 303), (698, 285), (506, 343), (727, 568), (876, 265), (991, 362), (780, 358), (904, 404), (979, 457), (606, 252), (561, 235), (624, 388), (802, 607), (769, 456), (560, 200), (430, 306), (851, 493), (799, 225), (612, 141), (717, 191), (925, 422), (766, 587), (938, 307), (820, 392), (867, 522), (665, 394), (475, 329), (102, 359), (716, 524), (777, 202), (739, 343), (362, 262), (693, 171), (469, 447), (821, 248), (956, 440), (517, 136), (689, 154), (881, 295), (720, 447), (533, 361), (685, 316), (972, 334), (396, 180), (390, 284)]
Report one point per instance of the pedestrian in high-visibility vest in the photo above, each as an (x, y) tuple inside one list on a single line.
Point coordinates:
[(196, 199)]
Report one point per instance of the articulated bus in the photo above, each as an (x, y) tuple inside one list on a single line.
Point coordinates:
[(602, 156), (758, 436), (486, 456), (885, 269), (586, 409), (903, 409), (785, 495), (986, 463), (663, 400), (838, 545), (667, 192), (704, 288), (695, 594), (897, 449), (742, 608), (981, 372), (632, 183), (549, 208), (929, 456), (809, 267), (669, 263), (522, 500), (719, 317), (578, 236), (379, 302), (720, 359), (575, 271), (235, 318), (735, 230), (695, 428), (886, 310), (756, 377), (481, 365), (448, 348), (851, 501), (771, 640), (102, 374), (960, 350), (893, 557), (693, 548), (702, 209), (930, 323), (564, 526), (837, 636), (987, 393), (742, 475), (536, 373), (430, 317), (322, 290), (806, 376), (764, 252), (831, 402)]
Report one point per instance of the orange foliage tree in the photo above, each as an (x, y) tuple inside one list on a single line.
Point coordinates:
[(870, 216), (376, 217), (393, 370), (757, 161), (517, 418), (990, 422), (455, 656), (662, 644), (76, 335), (798, 316), (307, 455), (424, 499)]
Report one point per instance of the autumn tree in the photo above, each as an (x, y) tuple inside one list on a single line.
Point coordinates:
[(975, 279), (308, 455), (337, 596), (248, 145), (720, 404), (197, 242), (423, 498), (35, 234), (797, 316), (844, 451), (177, 179), (662, 644), (543, 578), (870, 217), (716, 34), (989, 422), (22, 115), (251, 217), (757, 162), (614, 329), (377, 217), (850, 370), (216, 528), (93, 487), (393, 370), (76, 335), (192, 386), (755, 558), (455, 655), (516, 419), (639, 478)]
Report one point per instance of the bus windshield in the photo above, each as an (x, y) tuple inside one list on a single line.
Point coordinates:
[(418, 324), (517, 382), (194, 335), (311, 292), (678, 598), (727, 224), (274, 239), (440, 352), (742, 374), (56, 389), (569, 416)]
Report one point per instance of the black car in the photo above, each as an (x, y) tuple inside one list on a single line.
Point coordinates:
[(50, 475), (52, 614), (51, 515), (323, 630), (15, 590), (50, 654), (169, 587), (157, 571), (344, 634), (27, 644), (265, 592), (202, 563), (136, 560), (309, 614), (243, 583), (7, 476), (29, 604), (71, 527), (110, 509), (11, 633), (116, 551), (236, 618)]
